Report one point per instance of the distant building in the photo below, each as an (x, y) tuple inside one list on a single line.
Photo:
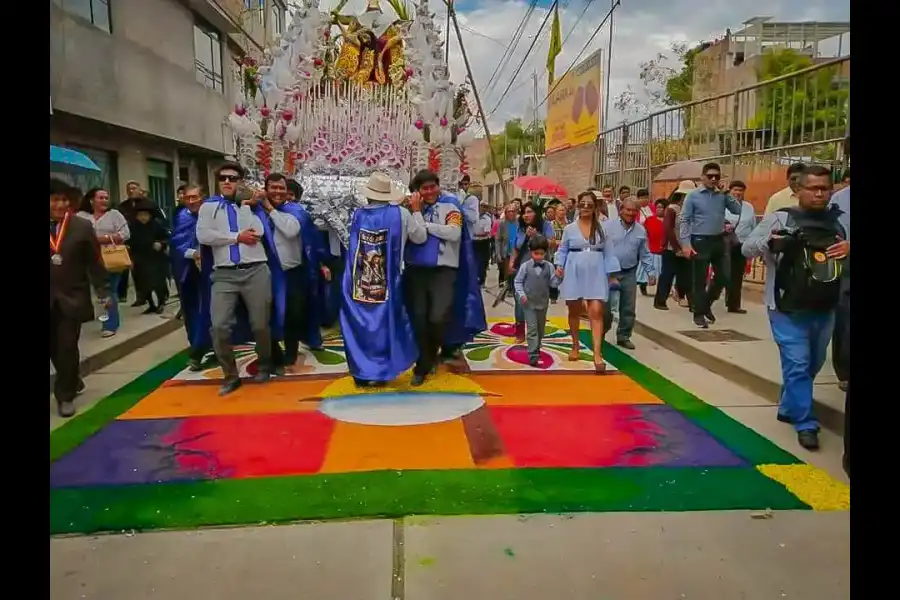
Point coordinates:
[(734, 62), (143, 86)]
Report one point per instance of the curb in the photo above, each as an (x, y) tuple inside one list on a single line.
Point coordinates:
[(829, 417), (115, 352)]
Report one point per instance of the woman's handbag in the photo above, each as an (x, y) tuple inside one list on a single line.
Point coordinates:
[(115, 258)]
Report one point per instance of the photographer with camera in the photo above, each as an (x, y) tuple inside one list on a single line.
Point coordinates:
[(804, 248)]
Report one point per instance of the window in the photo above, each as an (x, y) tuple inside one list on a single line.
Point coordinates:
[(208, 57), (276, 20), (160, 185), (95, 11)]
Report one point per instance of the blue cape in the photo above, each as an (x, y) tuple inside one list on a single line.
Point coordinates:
[(330, 291), (467, 318), (311, 248), (193, 294), (378, 337)]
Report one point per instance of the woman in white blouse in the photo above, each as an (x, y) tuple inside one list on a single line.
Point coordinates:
[(110, 227)]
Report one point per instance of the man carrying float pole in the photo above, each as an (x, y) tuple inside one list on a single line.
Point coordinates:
[(441, 279), (378, 337)]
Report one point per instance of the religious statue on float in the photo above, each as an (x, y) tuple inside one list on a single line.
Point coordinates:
[(371, 44)]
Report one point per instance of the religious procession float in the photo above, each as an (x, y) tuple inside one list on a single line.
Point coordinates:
[(340, 96)]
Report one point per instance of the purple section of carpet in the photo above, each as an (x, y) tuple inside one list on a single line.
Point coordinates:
[(124, 452), (681, 443)]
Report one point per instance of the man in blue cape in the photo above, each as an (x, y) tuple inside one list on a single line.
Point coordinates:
[(289, 237), (192, 291), (378, 337), (441, 287)]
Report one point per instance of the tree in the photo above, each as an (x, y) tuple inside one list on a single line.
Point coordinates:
[(802, 109), (662, 84), (516, 139)]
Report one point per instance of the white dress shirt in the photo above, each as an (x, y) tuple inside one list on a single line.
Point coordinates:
[(288, 243), (213, 231)]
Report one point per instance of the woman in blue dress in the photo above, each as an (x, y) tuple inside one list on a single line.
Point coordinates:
[(584, 262), (531, 222)]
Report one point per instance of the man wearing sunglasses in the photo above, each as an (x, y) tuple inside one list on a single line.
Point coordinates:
[(702, 235), (232, 234)]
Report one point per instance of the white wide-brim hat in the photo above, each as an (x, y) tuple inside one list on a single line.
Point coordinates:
[(380, 187), (685, 187)]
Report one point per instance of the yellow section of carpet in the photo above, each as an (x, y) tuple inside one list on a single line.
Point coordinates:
[(443, 381), (811, 485)]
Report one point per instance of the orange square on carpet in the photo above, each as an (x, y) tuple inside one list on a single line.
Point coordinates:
[(196, 400), (376, 447), (563, 389)]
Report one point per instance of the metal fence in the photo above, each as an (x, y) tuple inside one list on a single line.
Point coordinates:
[(754, 133)]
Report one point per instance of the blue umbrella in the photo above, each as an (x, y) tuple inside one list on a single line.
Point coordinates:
[(72, 160)]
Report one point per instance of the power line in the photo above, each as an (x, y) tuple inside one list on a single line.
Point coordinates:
[(514, 42), (481, 35), (524, 58), (583, 48)]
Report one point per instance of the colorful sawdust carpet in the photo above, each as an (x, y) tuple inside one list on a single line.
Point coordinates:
[(494, 436)]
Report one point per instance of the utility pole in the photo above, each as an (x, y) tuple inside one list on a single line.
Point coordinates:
[(534, 127), (451, 14), (605, 122)]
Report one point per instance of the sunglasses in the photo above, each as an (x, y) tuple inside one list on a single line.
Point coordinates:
[(586, 204), (229, 178), (713, 176)]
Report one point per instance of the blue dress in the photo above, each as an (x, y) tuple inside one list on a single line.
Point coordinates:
[(586, 272)]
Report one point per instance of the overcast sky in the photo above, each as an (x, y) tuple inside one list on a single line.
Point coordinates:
[(642, 28)]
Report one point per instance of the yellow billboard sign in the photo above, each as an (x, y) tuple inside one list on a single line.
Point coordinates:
[(573, 109)]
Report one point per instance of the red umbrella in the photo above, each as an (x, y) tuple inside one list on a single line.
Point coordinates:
[(540, 185)]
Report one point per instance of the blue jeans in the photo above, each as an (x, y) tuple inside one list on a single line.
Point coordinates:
[(112, 324), (802, 343)]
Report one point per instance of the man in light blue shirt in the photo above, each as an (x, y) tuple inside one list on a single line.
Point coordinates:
[(737, 230), (702, 234), (629, 242), (470, 205)]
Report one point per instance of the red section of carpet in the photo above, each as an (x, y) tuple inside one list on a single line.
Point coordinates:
[(253, 445), (575, 436)]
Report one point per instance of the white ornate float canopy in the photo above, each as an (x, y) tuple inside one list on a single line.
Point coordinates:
[(343, 95)]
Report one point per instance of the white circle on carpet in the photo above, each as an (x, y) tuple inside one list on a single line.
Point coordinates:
[(400, 408)]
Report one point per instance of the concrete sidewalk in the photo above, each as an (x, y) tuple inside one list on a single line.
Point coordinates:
[(136, 331), (739, 348)]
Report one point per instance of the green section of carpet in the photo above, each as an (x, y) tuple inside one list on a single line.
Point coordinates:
[(78, 429), (392, 494), (739, 438)]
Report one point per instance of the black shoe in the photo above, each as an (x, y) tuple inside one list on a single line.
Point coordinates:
[(261, 377), (229, 386), (660, 306), (627, 344), (710, 317), (149, 310), (643, 288), (160, 309), (809, 439), (738, 311), (195, 365), (80, 389), (700, 321), (782, 418), (66, 409), (534, 361), (180, 314), (278, 371), (138, 303), (417, 380), (843, 385)]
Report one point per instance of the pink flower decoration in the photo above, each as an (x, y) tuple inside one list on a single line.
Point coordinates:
[(240, 110), (443, 121), (519, 354), (264, 111), (419, 124), (504, 329), (287, 114)]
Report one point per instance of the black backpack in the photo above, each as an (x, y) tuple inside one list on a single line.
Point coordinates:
[(806, 279)]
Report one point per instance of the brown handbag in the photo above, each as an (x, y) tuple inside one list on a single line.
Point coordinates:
[(115, 258)]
